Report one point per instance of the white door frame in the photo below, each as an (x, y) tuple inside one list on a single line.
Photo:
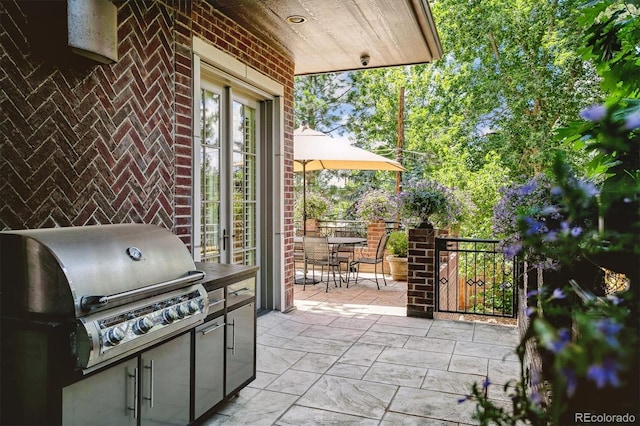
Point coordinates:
[(224, 68)]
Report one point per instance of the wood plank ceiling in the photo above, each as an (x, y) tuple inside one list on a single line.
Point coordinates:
[(336, 34)]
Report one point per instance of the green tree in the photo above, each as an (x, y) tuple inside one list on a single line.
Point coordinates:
[(513, 74), (319, 101), (486, 113), (324, 102)]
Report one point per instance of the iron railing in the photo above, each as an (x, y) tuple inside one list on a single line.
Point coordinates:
[(474, 276), (343, 228)]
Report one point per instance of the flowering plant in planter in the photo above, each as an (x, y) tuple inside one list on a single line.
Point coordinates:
[(426, 200), (375, 205)]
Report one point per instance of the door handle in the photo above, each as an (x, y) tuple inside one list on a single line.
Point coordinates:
[(233, 336), (225, 237), (213, 303), (242, 290), (135, 392), (150, 397), (213, 328)]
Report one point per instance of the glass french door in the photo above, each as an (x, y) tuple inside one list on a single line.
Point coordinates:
[(244, 178), (228, 177)]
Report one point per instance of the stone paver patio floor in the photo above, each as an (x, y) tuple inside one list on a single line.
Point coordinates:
[(344, 361)]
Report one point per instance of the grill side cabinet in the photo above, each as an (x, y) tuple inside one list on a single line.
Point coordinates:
[(165, 383), (209, 365), (104, 399), (225, 345), (241, 344), (154, 390)]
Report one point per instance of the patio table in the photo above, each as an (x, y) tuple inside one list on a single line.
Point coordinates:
[(339, 240), (335, 242)]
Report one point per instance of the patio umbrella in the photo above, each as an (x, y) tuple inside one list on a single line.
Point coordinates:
[(313, 150)]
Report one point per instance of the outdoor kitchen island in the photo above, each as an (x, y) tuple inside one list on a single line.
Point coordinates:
[(203, 368), (116, 325)]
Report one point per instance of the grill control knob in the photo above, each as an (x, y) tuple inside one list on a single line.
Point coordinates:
[(142, 325), (182, 310), (193, 307), (169, 315), (115, 336)]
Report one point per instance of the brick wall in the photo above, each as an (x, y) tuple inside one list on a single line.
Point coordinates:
[(84, 143)]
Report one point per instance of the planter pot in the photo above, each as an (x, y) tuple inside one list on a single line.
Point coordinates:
[(399, 267)]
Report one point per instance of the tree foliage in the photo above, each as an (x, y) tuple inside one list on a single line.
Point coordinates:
[(485, 114), (319, 101), (584, 319)]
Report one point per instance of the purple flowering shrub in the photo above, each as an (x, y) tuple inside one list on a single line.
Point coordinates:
[(517, 199), (588, 340), (563, 229), (593, 359)]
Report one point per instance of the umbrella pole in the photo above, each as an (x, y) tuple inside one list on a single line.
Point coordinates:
[(305, 280), (304, 198)]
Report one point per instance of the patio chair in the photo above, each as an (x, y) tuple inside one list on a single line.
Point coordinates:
[(379, 258), (318, 253), (346, 251)]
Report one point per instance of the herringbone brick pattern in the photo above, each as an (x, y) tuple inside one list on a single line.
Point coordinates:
[(84, 143)]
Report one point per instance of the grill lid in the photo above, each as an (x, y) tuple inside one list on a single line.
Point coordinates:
[(76, 270)]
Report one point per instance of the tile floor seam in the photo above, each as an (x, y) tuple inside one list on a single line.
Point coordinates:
[(388, 408), (426, 373)]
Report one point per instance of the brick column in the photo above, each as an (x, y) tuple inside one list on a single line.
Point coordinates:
[(421, 275), (312, 227), (375, 230)]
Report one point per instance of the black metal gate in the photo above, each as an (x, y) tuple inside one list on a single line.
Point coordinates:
[(473, 276)]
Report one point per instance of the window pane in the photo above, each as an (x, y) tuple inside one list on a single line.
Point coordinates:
[(210, 125), (210, 191), (244, 184)]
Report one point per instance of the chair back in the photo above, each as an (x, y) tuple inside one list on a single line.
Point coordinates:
[(316, 249), (382, 244)]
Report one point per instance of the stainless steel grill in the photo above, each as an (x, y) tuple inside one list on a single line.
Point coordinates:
[(124, 287)]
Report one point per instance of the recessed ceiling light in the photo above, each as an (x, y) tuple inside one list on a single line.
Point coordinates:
[(296, 19)]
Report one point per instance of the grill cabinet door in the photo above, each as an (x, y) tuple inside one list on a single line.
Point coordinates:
[(241, 337), (209, 359), (165, 383), (106, 398)]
